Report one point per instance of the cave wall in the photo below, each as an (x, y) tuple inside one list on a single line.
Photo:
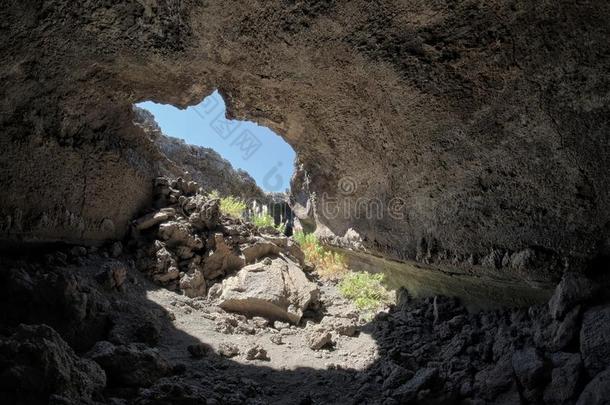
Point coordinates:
[(483, 126)]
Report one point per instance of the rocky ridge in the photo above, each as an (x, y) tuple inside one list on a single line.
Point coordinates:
[(202, 165)]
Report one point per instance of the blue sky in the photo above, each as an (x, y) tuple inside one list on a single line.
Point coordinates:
[(248, 146)]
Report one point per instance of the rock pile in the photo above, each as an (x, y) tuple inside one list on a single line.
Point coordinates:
[(436, 352), (38, 366), (187, 245)]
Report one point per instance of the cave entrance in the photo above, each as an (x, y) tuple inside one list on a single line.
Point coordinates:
[(233, 158)]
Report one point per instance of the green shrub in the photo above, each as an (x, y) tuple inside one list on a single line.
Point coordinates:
[(263, 220), (233, 207), (364, 290)]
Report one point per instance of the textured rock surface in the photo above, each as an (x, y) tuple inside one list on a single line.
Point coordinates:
[(204, 165), (133, 365), (571, 291), (276, 289), (594, 338), (37, 363), (483, 124)]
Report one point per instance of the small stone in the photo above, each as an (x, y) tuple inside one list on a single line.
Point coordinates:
[(256, 352), (277, 339), (280, 325), (343, 326), (116, 249), (260, 322), (228, 350), (78, 251), (318, 339), (112, 276)]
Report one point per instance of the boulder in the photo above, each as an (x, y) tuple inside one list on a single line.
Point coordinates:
[(222, 260), (421, 380), (133, 365), (294, 250), (564, 378), (319, 338), (112, 276), (57, 297), (558, 335), (495, 380), (530, 372), (37, 363), (193, 284), (258, 248), (179, 233), (597, 392), (573, 289), (203, 213), (288, 247), (276, 289), (154, 218), (163, 266), (594, 338)]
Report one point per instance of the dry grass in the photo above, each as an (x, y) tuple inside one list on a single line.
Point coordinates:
[(328, 265)]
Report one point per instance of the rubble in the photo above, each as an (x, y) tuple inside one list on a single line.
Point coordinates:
[(132, 365), (37, 362)]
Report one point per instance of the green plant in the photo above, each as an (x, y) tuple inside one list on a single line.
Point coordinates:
[(232, 206), (365, 290), (281, 228), (263, 220), (214, 194), (305, 238), (328, 265)]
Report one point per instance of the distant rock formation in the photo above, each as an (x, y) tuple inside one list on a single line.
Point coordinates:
[(202, 165)]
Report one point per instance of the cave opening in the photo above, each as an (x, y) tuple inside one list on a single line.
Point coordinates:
[(235, 159)]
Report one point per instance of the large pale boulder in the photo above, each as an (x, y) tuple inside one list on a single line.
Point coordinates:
[(275, 288)]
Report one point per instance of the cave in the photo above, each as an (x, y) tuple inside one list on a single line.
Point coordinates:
[(456, 150)]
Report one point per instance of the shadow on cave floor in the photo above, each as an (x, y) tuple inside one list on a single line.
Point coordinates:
[(40, 293), (427, 351)]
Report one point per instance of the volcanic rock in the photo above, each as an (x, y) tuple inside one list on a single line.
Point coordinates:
[(276, 289)]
